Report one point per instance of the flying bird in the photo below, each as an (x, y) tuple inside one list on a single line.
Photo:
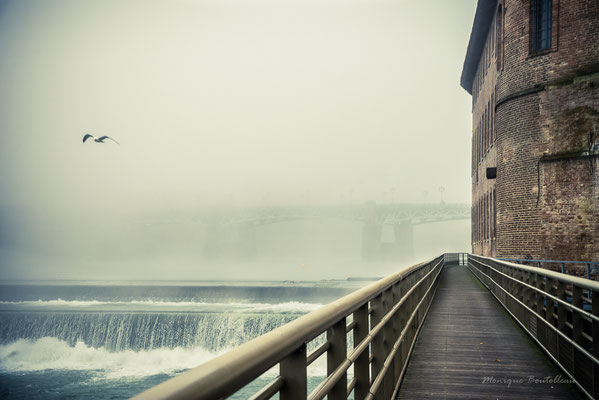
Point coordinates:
[(101, 139)]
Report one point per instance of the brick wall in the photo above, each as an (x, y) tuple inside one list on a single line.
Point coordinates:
[(483, 148), (518, 135), (560, 218), (574, 50), (569, 194)]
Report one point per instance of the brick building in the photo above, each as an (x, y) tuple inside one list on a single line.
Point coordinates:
[(532, 68)]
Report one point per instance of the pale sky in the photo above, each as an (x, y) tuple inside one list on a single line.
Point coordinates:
[(227, 102)]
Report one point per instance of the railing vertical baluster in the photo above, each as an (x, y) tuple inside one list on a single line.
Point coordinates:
[(337, 337), (562, 313), (577, 323), (362, 365), (539, 296), (518, 288), (529, 292), (377, 346), (512, 284), (562, 316), (403, 317), (509, 285), (595, 335), (388, 384), (495, 276), (524, 275), (549, 309), (396, 324), (294, 373)]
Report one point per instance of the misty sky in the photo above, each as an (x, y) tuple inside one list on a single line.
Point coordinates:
[(244, 102)]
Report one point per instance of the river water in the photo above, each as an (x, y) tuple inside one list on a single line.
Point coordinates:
[(107, 340)]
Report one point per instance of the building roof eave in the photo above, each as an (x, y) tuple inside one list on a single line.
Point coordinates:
[(485, 10)]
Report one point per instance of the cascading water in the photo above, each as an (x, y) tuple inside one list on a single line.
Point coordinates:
[(115, 342), (141, 331)]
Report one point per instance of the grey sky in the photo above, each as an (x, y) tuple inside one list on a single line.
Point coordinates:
[(243, 102)]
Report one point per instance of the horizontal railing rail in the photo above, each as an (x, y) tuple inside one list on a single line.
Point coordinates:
[(385, 319), (560, 312), (591, 266)]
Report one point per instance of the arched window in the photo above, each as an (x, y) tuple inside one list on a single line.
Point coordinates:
[(494, 231), (499, 38)]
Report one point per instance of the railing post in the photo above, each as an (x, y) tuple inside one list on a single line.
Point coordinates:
[(337, 353), (377, 345), (362, 364), (295, 376)]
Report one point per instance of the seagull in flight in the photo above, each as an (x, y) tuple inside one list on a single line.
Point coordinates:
[(101, 139)]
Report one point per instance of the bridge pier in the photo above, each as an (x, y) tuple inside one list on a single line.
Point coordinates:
[(401, 249)]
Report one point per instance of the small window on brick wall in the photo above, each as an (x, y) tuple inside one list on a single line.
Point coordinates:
[(499, 38), (540, 25)]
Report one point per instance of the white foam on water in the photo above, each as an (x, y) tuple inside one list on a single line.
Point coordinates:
[(49, 353), (53, 354)]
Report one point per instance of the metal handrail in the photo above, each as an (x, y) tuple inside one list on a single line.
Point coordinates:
[(561, 262), (224, 375), (548, 261), (526, 293), (567, 279), (547, 295)]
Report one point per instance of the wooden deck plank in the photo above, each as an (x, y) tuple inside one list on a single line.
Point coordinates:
[(468, 337)]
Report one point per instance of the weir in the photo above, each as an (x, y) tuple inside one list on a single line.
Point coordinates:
[(119, 331), (380, 344)]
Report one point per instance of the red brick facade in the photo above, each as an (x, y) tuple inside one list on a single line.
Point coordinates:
[(536, 119)]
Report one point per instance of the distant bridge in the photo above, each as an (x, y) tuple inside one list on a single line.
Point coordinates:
[(239, 224), (387, 214)]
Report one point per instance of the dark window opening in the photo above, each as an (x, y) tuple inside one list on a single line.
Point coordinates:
[(499, 39), (540, 21)]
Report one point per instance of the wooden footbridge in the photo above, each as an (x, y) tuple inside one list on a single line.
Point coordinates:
[(455, 327)]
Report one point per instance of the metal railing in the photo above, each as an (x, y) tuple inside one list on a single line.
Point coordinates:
[(560, 312), (385, 319), (455, 258), (591, 266)]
